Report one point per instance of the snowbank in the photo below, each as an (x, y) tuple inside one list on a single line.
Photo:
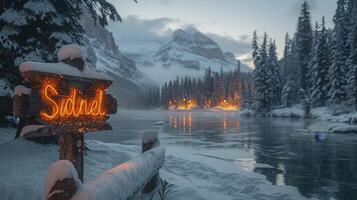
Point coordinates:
[(122, 181), (58, 171), (24, 164), (245, 113), (29, 129), (291, 112), (345, 129), (345, 118), (333, 113)]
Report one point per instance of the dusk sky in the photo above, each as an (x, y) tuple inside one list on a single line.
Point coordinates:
[(228, 22)]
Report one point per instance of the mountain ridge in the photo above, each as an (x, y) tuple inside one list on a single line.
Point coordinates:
[(187, 52)]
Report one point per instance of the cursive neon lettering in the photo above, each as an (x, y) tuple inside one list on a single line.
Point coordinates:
[(71, 106)]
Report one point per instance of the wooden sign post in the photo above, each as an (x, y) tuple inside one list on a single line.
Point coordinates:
[(69, 98)]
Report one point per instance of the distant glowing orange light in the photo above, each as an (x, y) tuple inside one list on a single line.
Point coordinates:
[(72, 106), (228, 106)]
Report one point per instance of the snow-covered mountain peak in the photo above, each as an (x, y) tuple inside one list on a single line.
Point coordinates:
[(189, 41), (190, 30), (187, 52), (191, 49)]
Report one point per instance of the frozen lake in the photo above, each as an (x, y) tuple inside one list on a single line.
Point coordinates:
[(216, 155)]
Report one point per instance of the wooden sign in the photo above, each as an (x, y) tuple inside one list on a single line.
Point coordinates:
[(68, 97), (79, 103)]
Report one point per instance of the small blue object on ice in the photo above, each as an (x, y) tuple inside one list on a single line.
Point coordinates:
[(319, 137)]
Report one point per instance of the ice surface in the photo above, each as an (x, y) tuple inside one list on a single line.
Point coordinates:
[(159, 123), (58, 171)]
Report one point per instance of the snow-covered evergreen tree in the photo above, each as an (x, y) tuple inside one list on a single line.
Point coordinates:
[(341, 52), (352, 71), (250, 95), (313, 60), (284, 62), (262, 74), (320, 66), (288, 93), (255, 47), (290, 89), (35, 29), (303, 39), (274, 79)]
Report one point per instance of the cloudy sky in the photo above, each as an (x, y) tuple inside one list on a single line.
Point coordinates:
[(228, 22)]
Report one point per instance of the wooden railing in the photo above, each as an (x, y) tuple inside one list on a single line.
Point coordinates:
[(125, 181)]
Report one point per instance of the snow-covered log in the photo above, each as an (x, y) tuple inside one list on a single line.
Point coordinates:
[(151, 140), (125, 180)]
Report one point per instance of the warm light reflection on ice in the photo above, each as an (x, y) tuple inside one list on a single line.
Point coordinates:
[(187, 121)]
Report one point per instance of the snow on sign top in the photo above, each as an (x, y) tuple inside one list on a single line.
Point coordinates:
[(70, 51), (62, 69)]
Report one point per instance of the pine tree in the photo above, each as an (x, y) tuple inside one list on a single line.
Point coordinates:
[(255, 47), (249, 97), (320, 66), (285, 61), (287, 92), (274, 79), (261, 77), (341, 52), (35, 29), (303, 45), (352, 72), (218, 94), (290, 73)]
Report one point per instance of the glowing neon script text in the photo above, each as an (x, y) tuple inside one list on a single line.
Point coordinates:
[(72, 106)]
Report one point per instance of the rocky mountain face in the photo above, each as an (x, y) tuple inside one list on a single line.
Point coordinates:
[(229, 57), (190, 41), (103, 55)]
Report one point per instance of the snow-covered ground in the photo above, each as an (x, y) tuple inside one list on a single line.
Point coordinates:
[(24, 165)]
